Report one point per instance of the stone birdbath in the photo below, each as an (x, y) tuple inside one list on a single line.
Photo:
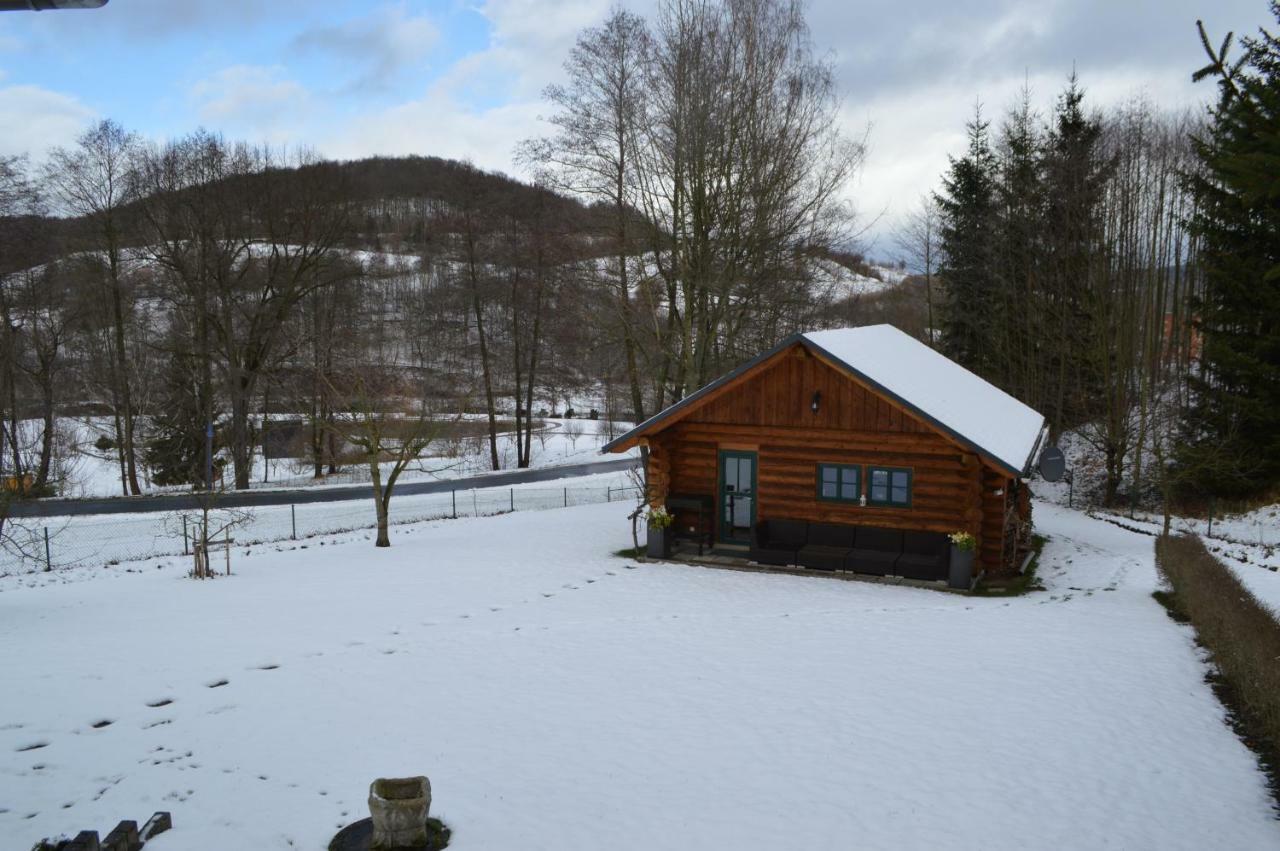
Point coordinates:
[(400, 819)]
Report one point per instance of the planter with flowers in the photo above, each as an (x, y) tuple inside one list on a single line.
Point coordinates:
[(658, 544), (963, 548)]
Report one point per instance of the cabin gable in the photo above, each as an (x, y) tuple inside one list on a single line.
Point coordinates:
[(782, 394)]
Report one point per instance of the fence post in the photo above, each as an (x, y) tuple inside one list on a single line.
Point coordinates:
[(566, 497), (513, 499), (186, 547), (293, 520), (48, 559), (608, 497), (453, 495)]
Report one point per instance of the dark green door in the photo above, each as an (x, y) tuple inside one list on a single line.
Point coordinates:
[(737, 496)]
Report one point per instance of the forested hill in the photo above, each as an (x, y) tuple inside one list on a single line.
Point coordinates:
[(395, 194)]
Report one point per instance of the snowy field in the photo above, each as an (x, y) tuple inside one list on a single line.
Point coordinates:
[(98, 540), (563, 698), (90, 472), (1248, 544)]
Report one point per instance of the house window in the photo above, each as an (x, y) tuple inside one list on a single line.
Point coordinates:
[(839, 482), (889, 486)]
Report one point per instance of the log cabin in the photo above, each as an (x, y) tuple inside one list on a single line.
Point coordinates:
[(857, 435)]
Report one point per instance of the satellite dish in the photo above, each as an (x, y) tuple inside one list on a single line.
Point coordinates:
[(1052, 464)]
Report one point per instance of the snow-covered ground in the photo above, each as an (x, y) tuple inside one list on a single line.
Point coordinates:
[(98, 540), (1248, 544), (560, 697)]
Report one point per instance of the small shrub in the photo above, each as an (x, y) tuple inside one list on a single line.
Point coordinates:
[(104, 444)]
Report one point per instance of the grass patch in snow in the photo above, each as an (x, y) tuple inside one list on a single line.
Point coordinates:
[(1015, 586), (630, 552), (1242, 639)]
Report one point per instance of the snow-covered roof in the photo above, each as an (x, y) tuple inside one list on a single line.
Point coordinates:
[(938, 387), (926, 383)]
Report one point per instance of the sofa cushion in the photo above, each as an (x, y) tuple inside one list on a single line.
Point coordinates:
[(831, 535), (875, 562), (819, 557), (922, 567), (873, 538), (925, 543), (779, 532)]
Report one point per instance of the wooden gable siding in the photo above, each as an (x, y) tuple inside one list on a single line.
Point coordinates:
[(770, 413), (781, 395)]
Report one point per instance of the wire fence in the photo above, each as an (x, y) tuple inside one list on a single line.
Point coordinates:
[(104, 540)]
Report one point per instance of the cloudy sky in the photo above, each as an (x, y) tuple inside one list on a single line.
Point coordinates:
[(462, 78)]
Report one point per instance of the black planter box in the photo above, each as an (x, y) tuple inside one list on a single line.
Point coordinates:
[(658, 544)]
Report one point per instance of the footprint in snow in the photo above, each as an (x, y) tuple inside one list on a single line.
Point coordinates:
[(105, 722), (34, 746), (218, 683), (156, 704), (268, 667)]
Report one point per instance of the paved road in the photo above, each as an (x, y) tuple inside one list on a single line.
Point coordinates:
[(297, 496)]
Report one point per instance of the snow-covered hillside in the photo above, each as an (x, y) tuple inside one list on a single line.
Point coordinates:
[(90, 472), (561, 697), (837, 281)]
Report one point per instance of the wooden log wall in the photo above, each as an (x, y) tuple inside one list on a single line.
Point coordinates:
[(771, 414)]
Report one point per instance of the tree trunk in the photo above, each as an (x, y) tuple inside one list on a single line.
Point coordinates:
[(121, 367), (381, 501), (487, 373), (46, 439), (241, 443)]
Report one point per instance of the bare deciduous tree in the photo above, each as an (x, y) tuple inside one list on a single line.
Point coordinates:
[(95, 180)]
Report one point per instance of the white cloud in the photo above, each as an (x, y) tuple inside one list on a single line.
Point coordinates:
[(35, 119), (914, 131), (437, 125), (383, 43), (254, 101), (484, 104)]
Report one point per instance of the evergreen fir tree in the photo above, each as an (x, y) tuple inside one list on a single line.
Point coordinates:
[(1232, 431), (971, 302), (175, 447), (1075, 174), (1020, 207)]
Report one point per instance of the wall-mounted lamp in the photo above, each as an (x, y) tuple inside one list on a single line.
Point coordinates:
[(817, 401)]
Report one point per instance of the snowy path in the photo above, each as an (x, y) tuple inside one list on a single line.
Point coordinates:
[(560, 699)]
